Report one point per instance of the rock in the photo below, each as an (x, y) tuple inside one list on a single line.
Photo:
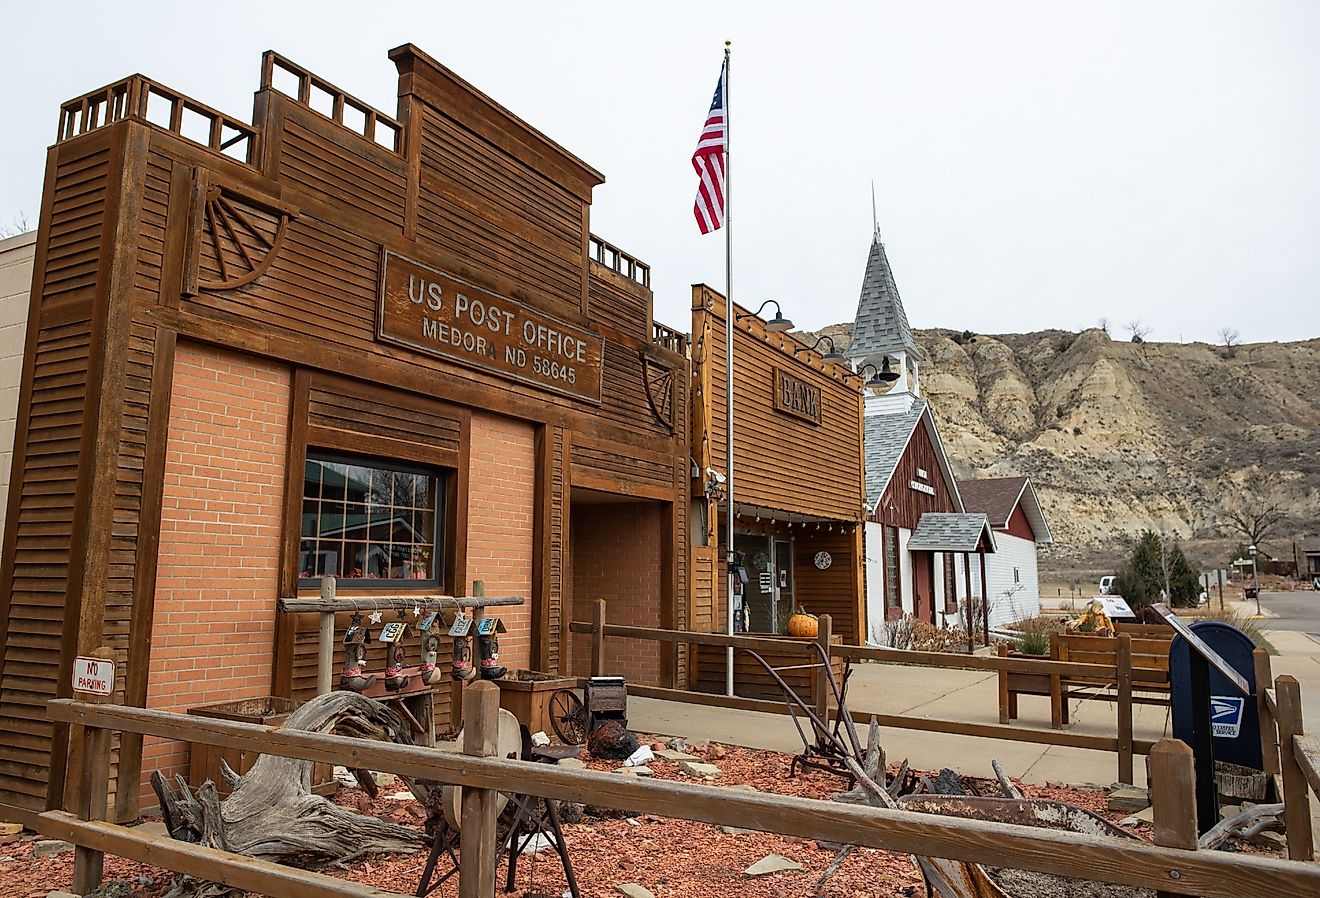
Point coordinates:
[(947, 783), (570, 812), (611, 741), (772, 863), (10, 829), (736, 830), (633, 890), (657, 746), (699, 770), (401, 796), (386, 780), (643, 770), (47, 847), (6, 858), (1128, 799), (669, 754), (715, 752), (632, 821), (678, 743), (829, 846), (572, 763), (1146, 815), (625, 771), (61, 894)]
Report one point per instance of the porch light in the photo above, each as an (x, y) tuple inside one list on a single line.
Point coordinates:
[(832, 356), (880, 376), (777, 324)]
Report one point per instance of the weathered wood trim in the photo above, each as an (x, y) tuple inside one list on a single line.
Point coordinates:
[(295, 460)]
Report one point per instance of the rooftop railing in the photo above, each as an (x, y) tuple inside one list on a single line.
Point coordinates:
[(314, 92), (620, 262)]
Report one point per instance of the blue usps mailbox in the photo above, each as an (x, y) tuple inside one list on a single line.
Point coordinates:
[(1233, 717), (1191, 661)]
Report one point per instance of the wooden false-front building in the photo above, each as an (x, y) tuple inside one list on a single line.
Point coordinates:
[(332, 341), (798, 487)]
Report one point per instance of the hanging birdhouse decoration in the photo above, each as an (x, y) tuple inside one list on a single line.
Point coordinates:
[(393, 635), (430, 674), (461, 666), (356, 638), (489, 643)]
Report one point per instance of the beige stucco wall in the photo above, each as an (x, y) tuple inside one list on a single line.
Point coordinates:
[(16, 255)]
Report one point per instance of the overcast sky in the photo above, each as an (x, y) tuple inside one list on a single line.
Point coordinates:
[(1037, 164)]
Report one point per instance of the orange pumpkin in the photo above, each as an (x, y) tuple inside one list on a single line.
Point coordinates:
[(803, 624)]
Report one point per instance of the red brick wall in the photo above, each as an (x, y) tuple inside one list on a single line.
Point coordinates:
[(616, 557), (221, 523), (501, 498)]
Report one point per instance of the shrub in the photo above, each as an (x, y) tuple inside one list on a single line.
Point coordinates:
[(1034, 634), (1248, 625)]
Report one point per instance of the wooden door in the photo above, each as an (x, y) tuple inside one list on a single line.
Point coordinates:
[(923, 585)]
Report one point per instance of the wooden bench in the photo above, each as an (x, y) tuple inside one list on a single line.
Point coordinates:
[(1150, 672)]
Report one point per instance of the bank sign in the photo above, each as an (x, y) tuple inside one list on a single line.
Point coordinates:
[(430, 311)]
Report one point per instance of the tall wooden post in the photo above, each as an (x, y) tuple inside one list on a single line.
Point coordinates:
[(1269, 733), (1123, 656), (1173, 797), (325, 649), (598, 640), (476, 866), (1296, 804), (824, 634), (93, 791), (1002, 651), (985, 598)]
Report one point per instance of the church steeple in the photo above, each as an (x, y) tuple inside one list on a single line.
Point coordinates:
[(881, 331)]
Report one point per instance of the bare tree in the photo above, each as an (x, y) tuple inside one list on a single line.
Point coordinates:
[(1138, 330), (19, 225), (1256, 510), (1229, 335)]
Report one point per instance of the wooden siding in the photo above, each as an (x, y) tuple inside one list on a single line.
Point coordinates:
[(619, 303), (835, 591), (476, 202), (354, 416), (1018, 525), (901, 505), (780, 461)]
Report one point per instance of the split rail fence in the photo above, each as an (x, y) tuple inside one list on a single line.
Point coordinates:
[(1172, 865), (1123, 744)]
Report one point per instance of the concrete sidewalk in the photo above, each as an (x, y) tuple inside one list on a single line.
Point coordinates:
[(973, 697)]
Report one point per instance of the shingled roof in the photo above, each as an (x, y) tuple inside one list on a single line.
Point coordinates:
[(940, 531), (997, 497), (884, 439), (880, 324)]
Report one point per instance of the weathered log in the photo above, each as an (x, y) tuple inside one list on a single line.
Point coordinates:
[(272, 813), (1251, 822), (1010, 790)]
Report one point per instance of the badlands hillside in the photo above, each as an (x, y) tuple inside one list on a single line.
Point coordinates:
[(1119, 436)]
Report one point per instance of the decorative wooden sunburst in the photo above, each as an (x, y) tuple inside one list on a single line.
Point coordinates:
[(659, 383), (239, 237)]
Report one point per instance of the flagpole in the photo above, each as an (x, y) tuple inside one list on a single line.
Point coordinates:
[(728, 359)]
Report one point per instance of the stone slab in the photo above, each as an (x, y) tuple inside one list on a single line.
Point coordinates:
[(770, 864), (699, 770)]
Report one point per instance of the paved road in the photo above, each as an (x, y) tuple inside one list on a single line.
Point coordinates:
[(1295, 610)]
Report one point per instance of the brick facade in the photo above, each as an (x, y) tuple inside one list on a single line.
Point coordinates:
[(221, 528), (501, 499), (616, 557)]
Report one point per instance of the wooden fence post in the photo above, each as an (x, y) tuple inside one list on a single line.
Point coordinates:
[(1123, 657), (824, 634), (93, 789), (1269, 733), (598, 640), (325, 650), (1173, 797), (478, 855), (1296, 804), (1002, 651)]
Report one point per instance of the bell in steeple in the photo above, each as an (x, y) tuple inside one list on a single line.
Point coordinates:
[(881, 334)]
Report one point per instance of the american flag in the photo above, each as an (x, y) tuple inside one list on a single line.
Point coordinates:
[(708, 160)]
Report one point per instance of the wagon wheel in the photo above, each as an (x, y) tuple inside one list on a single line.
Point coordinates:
[(568, 717)]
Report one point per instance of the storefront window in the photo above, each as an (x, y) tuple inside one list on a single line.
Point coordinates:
[(371, 522)]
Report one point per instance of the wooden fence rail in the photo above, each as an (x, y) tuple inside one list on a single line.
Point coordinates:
[(1122, 743), (1130, 862)]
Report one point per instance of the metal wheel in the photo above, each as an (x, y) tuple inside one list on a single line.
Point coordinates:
[(568, 717)]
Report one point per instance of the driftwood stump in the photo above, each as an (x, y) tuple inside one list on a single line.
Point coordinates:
[(271, 812)]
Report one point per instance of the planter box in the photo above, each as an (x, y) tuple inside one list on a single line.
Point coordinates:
[(204, 760), (526, 695), (750, 679)]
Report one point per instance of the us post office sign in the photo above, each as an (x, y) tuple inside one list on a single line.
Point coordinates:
[(430, 311)]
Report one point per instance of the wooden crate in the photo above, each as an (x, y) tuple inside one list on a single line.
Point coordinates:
[(204, 760), (750, 679), (526, 695)]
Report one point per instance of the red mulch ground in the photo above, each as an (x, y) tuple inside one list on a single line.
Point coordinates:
[(673, 858)]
